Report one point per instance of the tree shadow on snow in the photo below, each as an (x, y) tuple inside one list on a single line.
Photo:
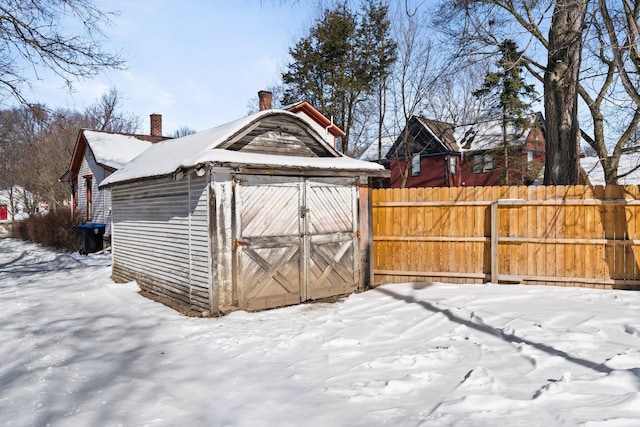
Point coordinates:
[(497, 332), (23, 266)]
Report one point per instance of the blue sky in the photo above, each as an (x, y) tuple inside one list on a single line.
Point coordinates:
[(196, 62)]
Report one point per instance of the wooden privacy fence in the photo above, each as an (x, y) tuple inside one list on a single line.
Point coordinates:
[(551, 235)]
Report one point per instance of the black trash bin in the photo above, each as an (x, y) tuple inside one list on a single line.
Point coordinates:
[(91, 235)]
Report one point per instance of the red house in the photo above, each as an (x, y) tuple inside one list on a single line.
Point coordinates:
[(430, 153)]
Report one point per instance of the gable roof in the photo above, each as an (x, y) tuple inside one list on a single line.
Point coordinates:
[(481, 136), (114, 150), (215, 146), (451, 138), (110, 149), (426, 135), (487, 135), (442, 131)]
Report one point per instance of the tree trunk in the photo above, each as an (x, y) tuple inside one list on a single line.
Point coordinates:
[(505, 149), (562, 137)]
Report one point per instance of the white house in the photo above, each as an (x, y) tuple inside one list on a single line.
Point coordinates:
[(12, 205), (97, 154)]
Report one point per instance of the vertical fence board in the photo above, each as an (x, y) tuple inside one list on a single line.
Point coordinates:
[(563, 235)]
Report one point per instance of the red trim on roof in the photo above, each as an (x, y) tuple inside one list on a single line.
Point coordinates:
[(318, 117)]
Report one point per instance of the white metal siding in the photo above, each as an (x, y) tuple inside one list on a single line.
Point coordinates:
[(101, 206), (160, 238), (199, 241)]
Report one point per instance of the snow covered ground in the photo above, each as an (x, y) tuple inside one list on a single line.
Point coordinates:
[(78, 350)]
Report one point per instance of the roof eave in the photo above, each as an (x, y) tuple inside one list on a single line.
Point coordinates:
[(318, 117)]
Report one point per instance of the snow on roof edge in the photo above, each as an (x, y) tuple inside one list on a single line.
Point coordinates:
[(167, 157)]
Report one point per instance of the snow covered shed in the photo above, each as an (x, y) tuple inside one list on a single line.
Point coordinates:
[(258, 213)]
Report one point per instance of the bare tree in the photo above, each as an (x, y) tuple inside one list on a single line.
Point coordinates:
[(277, 91), (425, 82), (106, 114), (480, 24), (36, 145), (35, 32), (411, 82), (19, 128), (613, 40), (451, 99), (182, 131)]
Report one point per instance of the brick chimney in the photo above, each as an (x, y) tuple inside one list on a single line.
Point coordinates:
[(156, 124), (264, 98)]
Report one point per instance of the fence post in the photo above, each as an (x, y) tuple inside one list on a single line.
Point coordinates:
[(494, 242)]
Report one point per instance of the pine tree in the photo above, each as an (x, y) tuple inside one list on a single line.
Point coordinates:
[(512, 97), (340, 63), (380, 50)]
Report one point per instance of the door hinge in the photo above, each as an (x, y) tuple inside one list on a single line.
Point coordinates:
[(235, 181), (237, 243), (355, 234)]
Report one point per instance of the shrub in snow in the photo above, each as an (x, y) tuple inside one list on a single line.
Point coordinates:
[(56, 230)]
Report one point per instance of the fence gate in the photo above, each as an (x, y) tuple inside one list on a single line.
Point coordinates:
[(295, 239)]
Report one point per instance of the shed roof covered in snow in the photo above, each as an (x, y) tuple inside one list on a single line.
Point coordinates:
[(225, 146)]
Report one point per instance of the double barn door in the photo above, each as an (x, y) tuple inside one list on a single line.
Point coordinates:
[(295, 239)]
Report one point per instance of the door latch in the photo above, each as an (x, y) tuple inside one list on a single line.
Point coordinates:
[(237, 243)]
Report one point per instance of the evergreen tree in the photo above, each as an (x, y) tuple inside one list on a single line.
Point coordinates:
[(381, 52), (512, 97), (340, 63)]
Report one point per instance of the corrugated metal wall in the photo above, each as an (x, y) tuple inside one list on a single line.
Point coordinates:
[(200, 253), (161, 238)]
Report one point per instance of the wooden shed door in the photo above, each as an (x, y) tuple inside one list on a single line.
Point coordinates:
[(332, 225), (267, 245), (295, 240)]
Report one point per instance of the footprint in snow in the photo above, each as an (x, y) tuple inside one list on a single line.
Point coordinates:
[(400, 362), (480, 378)]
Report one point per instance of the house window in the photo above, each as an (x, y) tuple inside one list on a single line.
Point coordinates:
[(89, 182), (415, 165), (74, 197), (482, 163), (453, 165), (529, 156)]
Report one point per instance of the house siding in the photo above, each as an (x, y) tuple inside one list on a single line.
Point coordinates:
[(521, 172), (101, 199), (433, 173), (161, 239)]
